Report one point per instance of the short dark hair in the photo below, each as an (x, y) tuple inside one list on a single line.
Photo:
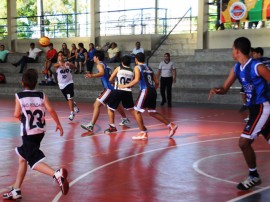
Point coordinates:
[(81, 45), (51, 44), (32, 44), (243, 44), (99, 55), (126, 60), (140, 57), (259, 50), (30, 78)]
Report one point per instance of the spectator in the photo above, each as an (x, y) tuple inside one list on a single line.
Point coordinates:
[(72, 54), (136, 50), (3, 53), (81, 57), (90, 60), (51, 57), (32, 56), (65, 51), (113, 53), (167, 72)]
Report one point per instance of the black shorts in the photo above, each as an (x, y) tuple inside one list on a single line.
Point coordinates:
[(68, 91), (123, 96), (30, 149), (146, 100)]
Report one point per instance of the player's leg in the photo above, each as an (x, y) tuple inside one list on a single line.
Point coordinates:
[(162, 91)]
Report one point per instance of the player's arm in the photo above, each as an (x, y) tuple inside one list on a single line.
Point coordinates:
[(226, 85), (264, 72), (100, 73), (56, 65), (134, 81), (52, 112), (114, 74), (155, 78), (18, 110), (174, 75), (71, 65)]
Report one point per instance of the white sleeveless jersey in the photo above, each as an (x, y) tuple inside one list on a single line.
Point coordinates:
[(33, 112), (64, 75), (124, 76)]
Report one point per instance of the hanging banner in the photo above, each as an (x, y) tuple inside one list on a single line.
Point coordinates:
[(244, 10)]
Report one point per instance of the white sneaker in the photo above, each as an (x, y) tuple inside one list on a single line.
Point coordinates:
[(71, 116), (88, 127), (60, 177), (76, 109), (249, 183), (140, 136), (124, 122), (13, 194)]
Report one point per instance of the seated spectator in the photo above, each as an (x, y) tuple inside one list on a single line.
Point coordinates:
[(72, 54), (258, 54), (32, 56), (90, 60), (81, 58), (3, 53), (113, 53), (51, 57), (65, 51), (136, 50)]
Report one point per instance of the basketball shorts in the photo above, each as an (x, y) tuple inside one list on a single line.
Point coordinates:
[(30, 149), (104, 96), (146, 100), (259, 122), (123, 96), (68, 91)]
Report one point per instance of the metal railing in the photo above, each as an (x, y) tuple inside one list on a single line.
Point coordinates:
[(167, 35)]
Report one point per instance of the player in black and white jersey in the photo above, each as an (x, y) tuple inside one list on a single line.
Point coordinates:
[(30, 106), (65, 82), (121, 75)]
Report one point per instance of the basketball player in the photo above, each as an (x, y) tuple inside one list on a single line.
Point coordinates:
[(103, 98), (65, 82), (123, 74), (30, 108), (253, 76), (147, 97)]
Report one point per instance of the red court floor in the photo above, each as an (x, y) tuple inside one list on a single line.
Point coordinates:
[(202, 163)]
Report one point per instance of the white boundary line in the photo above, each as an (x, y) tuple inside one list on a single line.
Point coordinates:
[(58, 196)]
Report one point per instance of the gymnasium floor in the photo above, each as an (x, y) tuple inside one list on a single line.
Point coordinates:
[(201, 163)]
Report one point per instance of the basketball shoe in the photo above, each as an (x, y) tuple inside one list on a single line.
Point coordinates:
[(249, 183), (111, 129), (140, 136), (124, 122), (71, 116), (173, 127), (14, 193), (60, 176), (88, 127)]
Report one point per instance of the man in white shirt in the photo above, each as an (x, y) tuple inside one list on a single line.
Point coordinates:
[(136, 50), (32, 55)]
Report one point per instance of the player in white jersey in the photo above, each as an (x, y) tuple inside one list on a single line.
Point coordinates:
[(123, 74), (30, 108), (65, 82)]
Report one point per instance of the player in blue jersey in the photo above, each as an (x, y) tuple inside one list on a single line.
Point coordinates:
[(104, 73), (30, 108), (148, 82), (254, 78)]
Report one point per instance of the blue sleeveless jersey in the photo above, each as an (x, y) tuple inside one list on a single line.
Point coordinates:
[(146, 77), (255, 87), (105, 78)]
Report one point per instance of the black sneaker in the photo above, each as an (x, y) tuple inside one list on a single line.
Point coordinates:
[(111, 129), (60, 176), (13, 194), (243, 108), (249, 183)]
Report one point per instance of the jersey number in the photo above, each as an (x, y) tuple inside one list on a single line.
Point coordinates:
[(124, 80), (35, 119)]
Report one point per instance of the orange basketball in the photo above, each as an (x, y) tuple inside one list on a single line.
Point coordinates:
[(44, 41)]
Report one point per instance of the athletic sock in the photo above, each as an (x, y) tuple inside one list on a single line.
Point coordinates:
[(253, 172)]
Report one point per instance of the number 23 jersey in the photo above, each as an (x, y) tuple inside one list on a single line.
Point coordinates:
[(33, 112)]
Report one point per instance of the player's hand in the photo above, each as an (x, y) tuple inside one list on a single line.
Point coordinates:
[(87, 75), (215, 91), (121, 86), (59, 127)]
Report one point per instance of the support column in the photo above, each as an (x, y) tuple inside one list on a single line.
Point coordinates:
[(12, 24), (95, 20), (156, 15), (202, 24)]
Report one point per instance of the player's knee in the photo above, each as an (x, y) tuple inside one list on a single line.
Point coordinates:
[(244, 143)]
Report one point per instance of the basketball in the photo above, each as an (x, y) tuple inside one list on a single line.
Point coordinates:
[(44, 41)]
